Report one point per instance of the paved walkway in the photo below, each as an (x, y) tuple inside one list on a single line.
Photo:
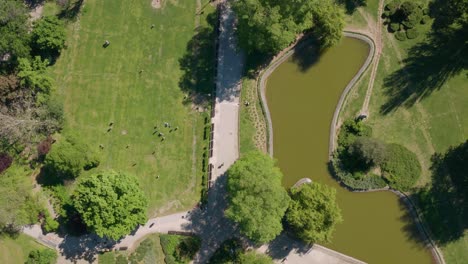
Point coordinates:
[(229, 74)]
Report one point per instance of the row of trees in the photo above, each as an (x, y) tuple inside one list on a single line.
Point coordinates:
[(258, 203), (268, 26)]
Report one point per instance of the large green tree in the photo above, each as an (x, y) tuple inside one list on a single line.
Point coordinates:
[(257, 201), (48, 35), (111, 204), (69, 156), (313, 212), (267, 26), (14, 40)]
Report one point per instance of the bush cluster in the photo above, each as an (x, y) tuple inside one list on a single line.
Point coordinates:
[(403, 17), (401, 168), (357, 154), (179, 249), (412, 33), (5, 162), (357, 181)]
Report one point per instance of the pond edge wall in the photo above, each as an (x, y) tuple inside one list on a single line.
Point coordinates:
[(261, 86)]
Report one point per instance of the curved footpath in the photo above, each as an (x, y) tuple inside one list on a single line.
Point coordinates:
[(436, 253)]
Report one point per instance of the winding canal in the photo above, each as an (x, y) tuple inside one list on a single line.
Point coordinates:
[(302, 94)]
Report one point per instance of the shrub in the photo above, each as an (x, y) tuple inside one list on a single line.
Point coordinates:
[(69, 156), (412, 33), (229, 252), (349, 131), (50, 224), (369, 151), (400, 35), (392, 7), (179, 249), (394, 27), (410, 23), (359, 182), (425, 19), (401, 168), (5, 162), (42, 256), (408, 8), (44, 147)]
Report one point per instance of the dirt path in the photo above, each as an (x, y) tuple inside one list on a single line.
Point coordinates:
[(377, 28)]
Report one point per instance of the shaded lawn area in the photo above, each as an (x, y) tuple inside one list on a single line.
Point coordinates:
[(134, 83), (16, 250)]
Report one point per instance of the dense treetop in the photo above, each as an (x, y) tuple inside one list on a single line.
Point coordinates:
[(267, 26), (69, 156), (48, 35), (14, 39), (313, 212), (257, 201), (111, 204)]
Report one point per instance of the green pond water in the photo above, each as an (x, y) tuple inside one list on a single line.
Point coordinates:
[(302, 94)]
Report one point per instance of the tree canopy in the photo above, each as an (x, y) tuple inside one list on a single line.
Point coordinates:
[(42, 256), (257, 201), (33, 75), (14, 40), (111, 204), (48, 35), (267, 26), (313, 212), (69, 156), (370, 151)]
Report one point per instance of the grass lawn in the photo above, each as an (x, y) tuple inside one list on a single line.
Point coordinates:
[(16, 250), (135, 83), (430, 124)]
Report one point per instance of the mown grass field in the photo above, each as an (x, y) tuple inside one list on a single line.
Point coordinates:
[(16, 250), (135, 83), (425, 119)]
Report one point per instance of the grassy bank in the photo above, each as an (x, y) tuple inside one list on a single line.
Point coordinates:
[(16, 250), (143, 79)]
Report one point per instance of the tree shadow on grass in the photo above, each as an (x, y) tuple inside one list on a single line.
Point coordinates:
[(442, 55), (70, 11), (199, 63), (445, 204), (351, 5)]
